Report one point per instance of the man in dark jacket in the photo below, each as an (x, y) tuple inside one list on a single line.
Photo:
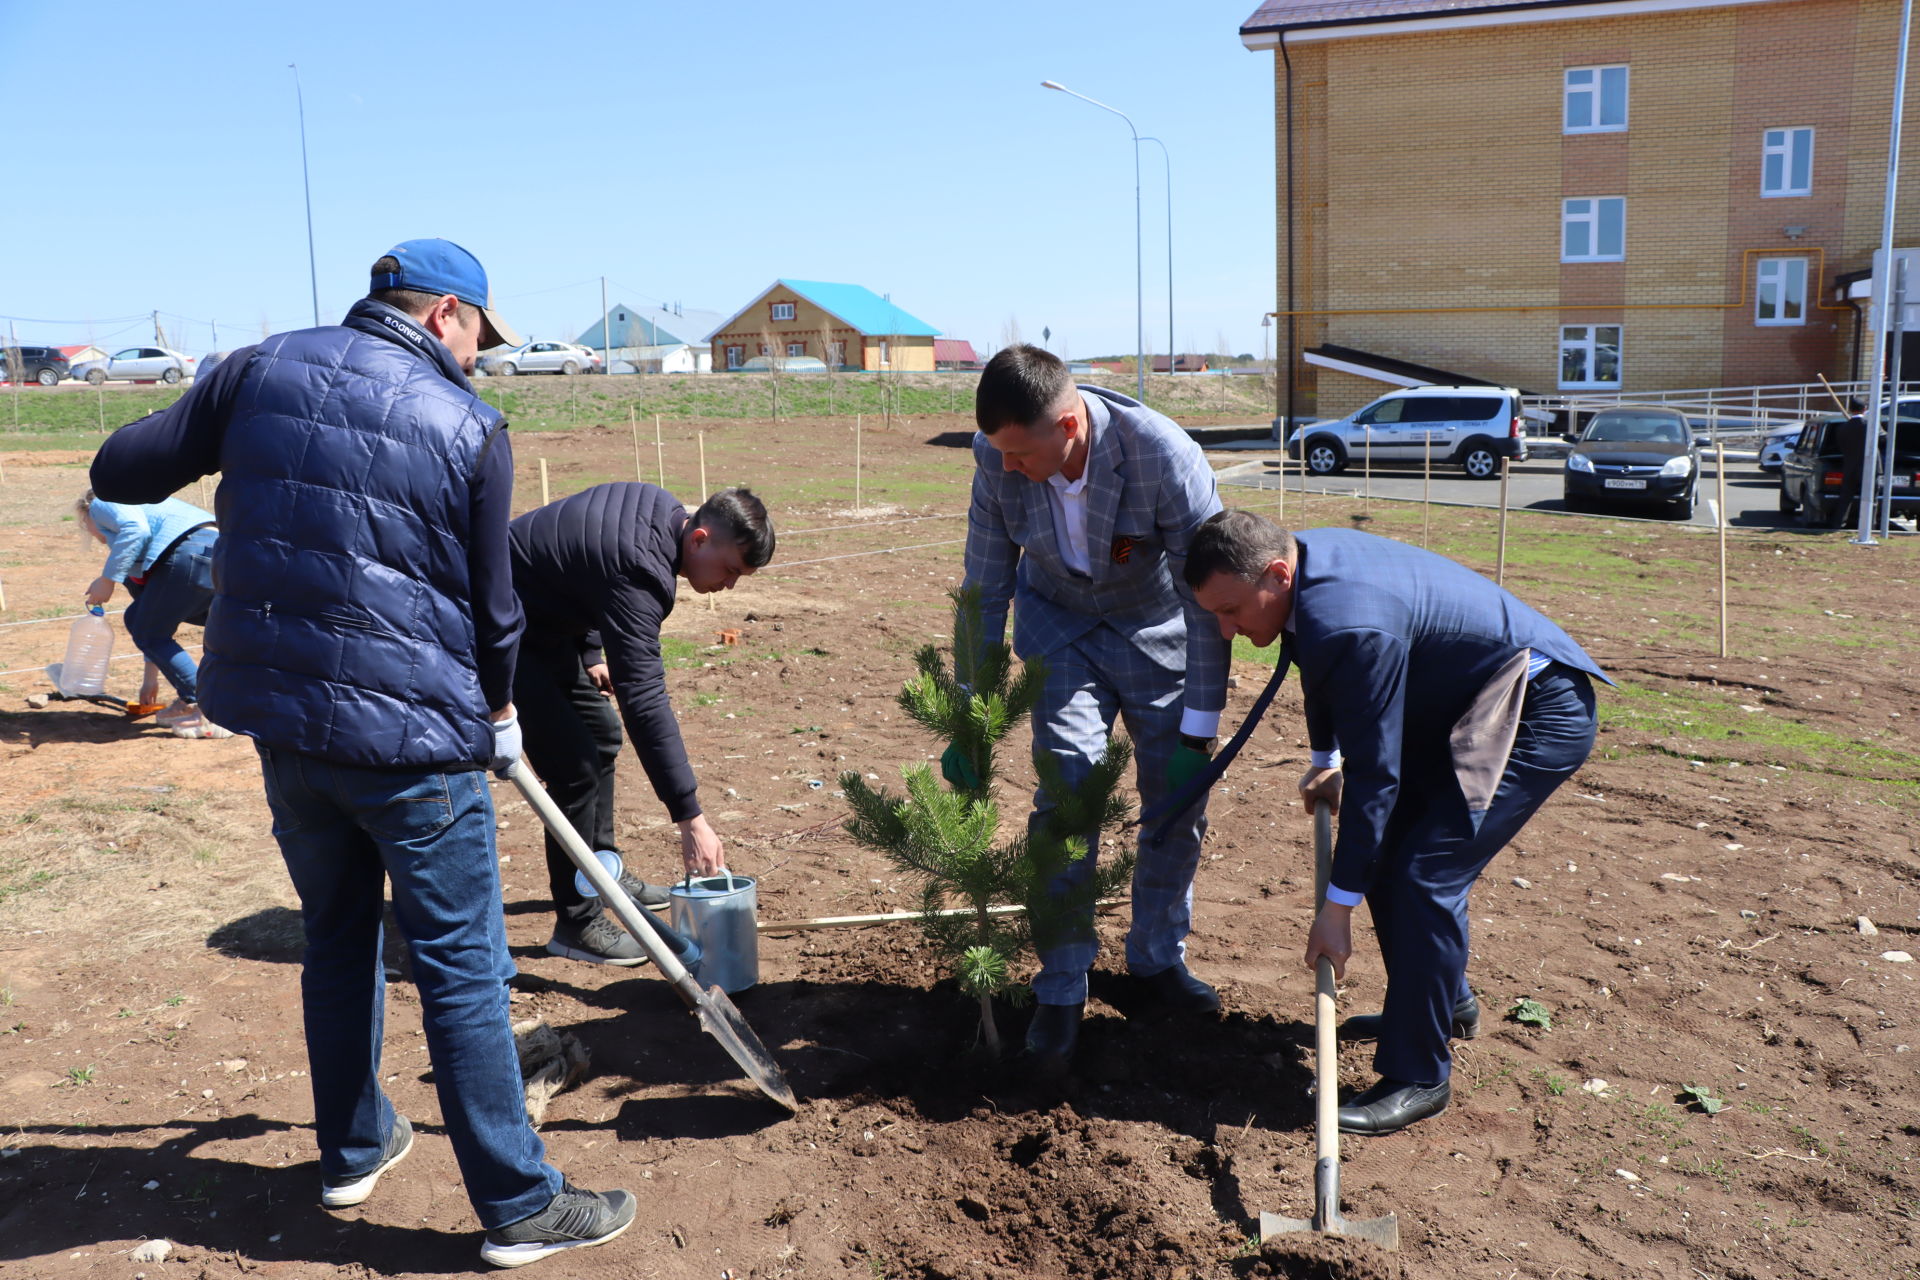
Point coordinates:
[(1442, 712), (596, 574), (363, 633)]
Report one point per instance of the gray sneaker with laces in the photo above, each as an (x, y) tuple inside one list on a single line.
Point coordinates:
[(348, 1192), (597, 941), (574, 1219)]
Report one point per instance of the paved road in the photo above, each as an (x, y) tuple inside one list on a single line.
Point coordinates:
[(1752, 495)]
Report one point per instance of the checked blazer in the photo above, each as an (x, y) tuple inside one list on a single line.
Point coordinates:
[(1148, 490)]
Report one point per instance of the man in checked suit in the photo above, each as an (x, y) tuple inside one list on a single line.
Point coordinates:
[(1441, 712), (1083, 505)]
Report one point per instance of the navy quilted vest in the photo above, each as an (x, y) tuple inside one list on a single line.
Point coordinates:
[(343, 628)]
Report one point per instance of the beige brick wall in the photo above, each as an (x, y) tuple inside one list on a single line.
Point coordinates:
[(1430, 167)]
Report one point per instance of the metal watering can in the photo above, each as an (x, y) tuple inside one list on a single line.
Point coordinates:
[(718, 913)]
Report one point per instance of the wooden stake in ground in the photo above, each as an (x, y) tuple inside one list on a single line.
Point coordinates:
[(1500, 565), (1366, 467), (3, 597), (100, 397), (633, 425), (1426, 491), (659, 452), (701, 436), (545, 495), (856, 462), (1720, 481), (204, 504)]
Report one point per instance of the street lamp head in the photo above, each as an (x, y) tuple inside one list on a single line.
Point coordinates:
[(1048, 84)]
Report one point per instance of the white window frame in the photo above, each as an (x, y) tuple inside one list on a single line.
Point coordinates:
[(1589, 216), (1589, 343), (836, 354), (796, 349), (783, 311), (736, 356), (1789, 138), (1780, 284), (886, 353), (1595, 91)]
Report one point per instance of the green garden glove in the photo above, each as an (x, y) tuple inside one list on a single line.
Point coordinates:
[(958, 770), (1186, 763)]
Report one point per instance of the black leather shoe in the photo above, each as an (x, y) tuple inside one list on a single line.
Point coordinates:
[(1051, 1036), (1366, 1026), (1177, 989), (1390, 1106)]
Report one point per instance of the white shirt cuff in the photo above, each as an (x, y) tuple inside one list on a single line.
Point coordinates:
[(1200, 724), (1343, 897), (1326, 759)]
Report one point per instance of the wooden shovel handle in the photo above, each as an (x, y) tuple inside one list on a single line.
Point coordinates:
[(1326, 1053)]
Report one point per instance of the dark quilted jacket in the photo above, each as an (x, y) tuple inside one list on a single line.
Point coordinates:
[(343, 628)]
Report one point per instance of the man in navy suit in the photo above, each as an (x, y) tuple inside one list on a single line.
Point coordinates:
[(1083, 504), (1441, 712)]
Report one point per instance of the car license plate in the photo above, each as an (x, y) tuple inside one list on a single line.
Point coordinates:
[(1903, 482), (1613, 483)]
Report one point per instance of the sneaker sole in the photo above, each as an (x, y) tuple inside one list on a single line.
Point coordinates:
[(358, 1191), (519, 1255), (557, 948)]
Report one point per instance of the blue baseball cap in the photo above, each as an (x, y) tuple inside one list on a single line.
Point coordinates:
[(443, 267)]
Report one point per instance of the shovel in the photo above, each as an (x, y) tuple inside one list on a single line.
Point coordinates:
[(718, 1017), (1326, 1219)]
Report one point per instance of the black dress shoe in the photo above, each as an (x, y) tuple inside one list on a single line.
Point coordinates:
[(1051, 1036), (1177, 989), (1390, 1106), (1366, 1026)]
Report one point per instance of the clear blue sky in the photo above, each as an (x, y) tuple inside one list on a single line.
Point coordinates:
[(690, 152)]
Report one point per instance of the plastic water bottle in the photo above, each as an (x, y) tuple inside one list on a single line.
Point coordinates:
[(89, 645)]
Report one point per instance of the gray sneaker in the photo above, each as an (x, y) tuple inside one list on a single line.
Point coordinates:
[(598, 941), (574, 1219), (348, 1192), (652, 896)]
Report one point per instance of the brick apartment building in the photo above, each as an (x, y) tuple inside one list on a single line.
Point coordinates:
[(845, 326), (1579, 195)]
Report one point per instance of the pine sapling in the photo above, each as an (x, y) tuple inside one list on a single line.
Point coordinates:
[(947, 836)]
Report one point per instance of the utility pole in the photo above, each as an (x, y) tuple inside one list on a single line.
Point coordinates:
[(313, 272), (606, 332), (1883, 272)]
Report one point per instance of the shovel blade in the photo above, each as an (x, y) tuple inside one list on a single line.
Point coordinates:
[(1384, 1232), (721, 1020)]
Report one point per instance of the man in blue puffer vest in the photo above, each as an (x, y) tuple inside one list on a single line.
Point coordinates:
[(363, 633)]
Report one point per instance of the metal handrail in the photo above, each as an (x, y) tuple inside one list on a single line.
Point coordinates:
[(1723, 411)]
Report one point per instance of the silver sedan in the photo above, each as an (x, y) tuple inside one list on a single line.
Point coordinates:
[(542, 357), (137, 364)]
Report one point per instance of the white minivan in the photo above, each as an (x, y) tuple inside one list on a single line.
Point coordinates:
[(1474, 427)]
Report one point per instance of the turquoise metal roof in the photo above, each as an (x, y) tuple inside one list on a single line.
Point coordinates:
[(862, 308)]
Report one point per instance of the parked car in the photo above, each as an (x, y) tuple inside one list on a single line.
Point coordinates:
[(1472, 426), (1635, 456), (542, 357), (44, 365), (1776, 446), (137, 364), (1812, 477)]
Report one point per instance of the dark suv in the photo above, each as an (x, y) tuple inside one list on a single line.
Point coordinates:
[(44, 365), (1814, 472)]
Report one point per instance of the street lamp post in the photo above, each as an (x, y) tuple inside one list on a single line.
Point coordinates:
[(1139, 293), (1169, 163), (313, 273)]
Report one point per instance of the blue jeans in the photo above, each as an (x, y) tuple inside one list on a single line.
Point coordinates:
[(342, 831), (1089, 684), (178, 590)]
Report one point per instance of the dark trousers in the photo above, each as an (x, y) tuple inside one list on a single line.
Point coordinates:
[(573, 741), (1432, 856)]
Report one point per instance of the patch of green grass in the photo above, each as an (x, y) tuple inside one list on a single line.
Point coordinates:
[(678, 651), (16, 880), (1684, 713), (1557, 1085), (175, 1001), (705, 699), (77, 1076)]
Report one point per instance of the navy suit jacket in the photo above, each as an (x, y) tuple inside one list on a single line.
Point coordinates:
[(1395, 645)]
